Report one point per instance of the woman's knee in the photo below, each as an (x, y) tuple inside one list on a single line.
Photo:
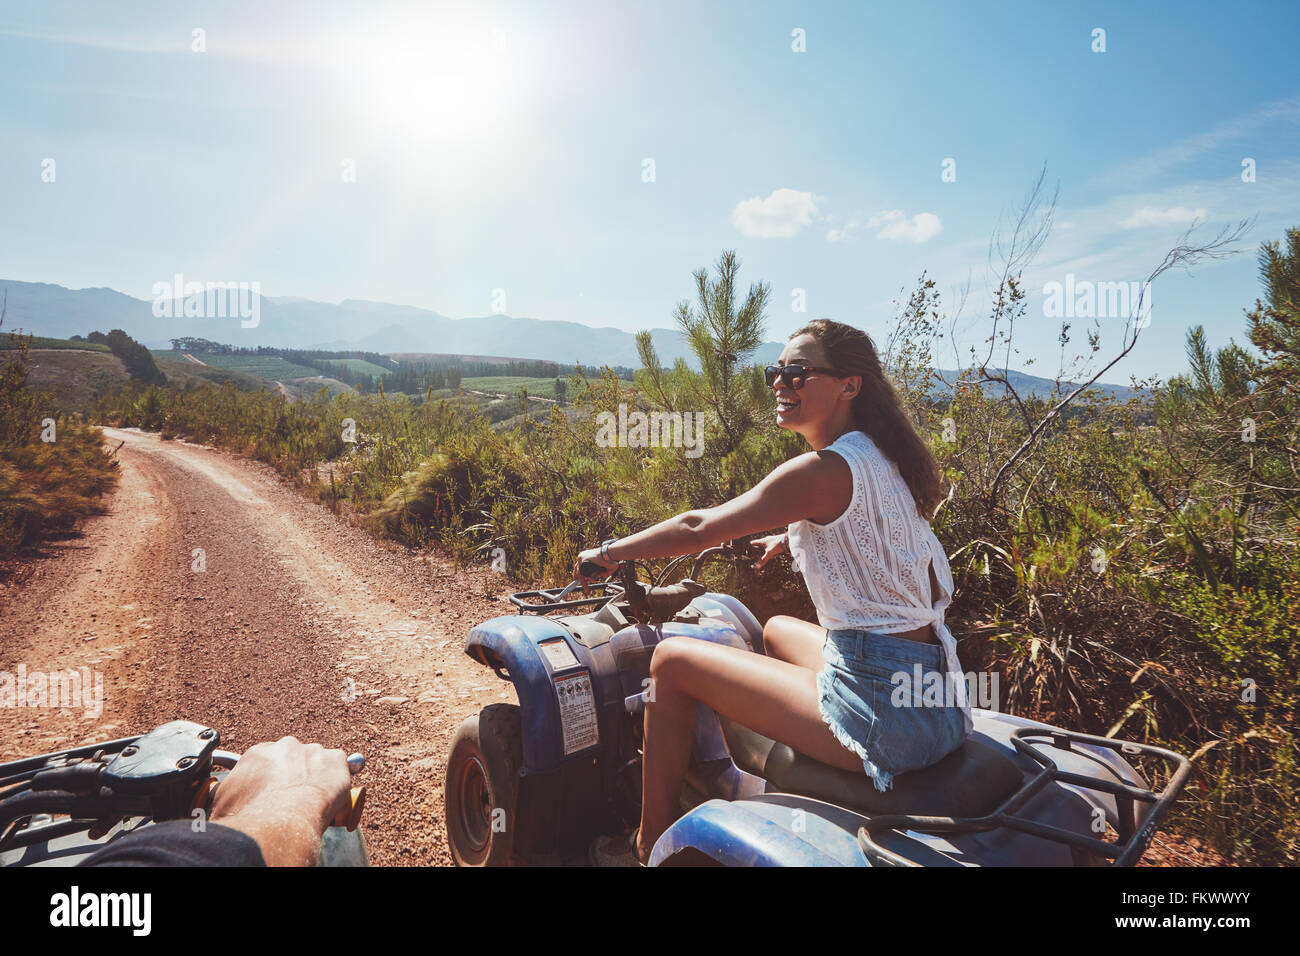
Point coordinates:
[(671, 656), (776, 634), (794, 641)]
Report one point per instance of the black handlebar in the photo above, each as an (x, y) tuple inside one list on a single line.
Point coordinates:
[(660, 598), (590, 569)]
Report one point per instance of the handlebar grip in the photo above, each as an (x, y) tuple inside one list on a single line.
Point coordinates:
[(350, 816), (590, 569)]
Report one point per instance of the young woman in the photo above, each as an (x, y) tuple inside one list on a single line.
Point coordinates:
[(857, 508)]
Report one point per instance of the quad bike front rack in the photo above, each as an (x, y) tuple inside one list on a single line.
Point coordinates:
[(1134, 837)]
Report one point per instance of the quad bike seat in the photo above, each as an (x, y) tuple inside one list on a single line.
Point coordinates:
[(972, 781)]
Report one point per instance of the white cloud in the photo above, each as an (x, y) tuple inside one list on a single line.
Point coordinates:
[(1238, 130), (895, 225), (847, 233), (779, 216), (1175, 215)]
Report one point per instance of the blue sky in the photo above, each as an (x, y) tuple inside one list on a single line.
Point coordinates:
[(503, 146)]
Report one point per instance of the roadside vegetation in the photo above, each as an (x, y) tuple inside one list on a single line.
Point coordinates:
[(54, 469)]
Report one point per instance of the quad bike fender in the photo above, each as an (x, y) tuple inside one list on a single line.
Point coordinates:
[(767, 830), (544, 660), (781, 829)]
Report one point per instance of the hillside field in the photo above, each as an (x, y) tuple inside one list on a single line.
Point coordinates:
[(510, 385), (358, 366), (75, 376), (8, 341), (269, 367)]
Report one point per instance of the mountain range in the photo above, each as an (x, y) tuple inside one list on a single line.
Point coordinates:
[(292, 322)]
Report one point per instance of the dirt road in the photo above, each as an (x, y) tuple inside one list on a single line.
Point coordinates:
[(292, 622)]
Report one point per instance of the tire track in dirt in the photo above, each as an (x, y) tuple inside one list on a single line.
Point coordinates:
[(299, 624)]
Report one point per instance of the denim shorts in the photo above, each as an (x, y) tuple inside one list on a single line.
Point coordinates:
[(862, 703)]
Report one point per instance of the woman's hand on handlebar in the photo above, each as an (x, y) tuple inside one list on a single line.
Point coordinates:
[(591, 556), (772, 545)]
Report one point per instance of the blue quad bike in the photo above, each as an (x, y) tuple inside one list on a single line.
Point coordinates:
[(534, 784), (57, 809)]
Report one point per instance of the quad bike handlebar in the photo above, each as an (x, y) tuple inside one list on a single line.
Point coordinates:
[(349, 818), (166, 774), (653, 602)]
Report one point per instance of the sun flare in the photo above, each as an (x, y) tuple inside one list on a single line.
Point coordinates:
[(435, 83)]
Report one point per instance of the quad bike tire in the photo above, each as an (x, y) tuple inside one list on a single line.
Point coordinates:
[(482, 787)]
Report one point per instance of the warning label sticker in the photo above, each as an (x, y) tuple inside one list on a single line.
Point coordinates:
[(577, 711), (558, 654)]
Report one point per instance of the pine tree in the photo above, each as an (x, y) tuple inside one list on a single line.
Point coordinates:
[(722, 336), (1275, 325)]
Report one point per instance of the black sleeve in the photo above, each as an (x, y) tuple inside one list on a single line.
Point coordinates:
[(174, 843)]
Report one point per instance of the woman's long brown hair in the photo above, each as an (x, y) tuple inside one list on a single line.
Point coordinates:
[(878, 411)]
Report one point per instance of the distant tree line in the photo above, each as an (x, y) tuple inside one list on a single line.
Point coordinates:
[(314, 356), (137, 359), (189, 344), (440, 372), (412, 377), (415, 377), (329, 365)]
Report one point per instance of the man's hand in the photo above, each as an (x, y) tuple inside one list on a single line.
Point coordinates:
[(284, 795)]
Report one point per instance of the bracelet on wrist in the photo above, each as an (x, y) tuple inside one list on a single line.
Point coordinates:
[(604, 549)]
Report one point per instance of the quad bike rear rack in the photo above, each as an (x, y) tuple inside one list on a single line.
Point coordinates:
[(1134, 835)]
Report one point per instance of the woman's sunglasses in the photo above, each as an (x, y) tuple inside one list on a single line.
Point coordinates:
[(792, 376)]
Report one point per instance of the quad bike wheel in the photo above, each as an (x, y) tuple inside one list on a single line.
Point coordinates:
[(482, 786)]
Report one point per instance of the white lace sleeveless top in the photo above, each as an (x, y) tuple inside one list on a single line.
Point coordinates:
[(868, 568)]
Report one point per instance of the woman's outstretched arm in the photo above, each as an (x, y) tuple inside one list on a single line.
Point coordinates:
[(816, 486)]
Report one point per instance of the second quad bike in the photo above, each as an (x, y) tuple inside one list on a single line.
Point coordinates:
[(535, 783)]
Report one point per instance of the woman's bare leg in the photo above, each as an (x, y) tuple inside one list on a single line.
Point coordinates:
[(772, 697), (794, 640)]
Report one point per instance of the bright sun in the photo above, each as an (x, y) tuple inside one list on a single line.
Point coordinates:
[(435, 83)]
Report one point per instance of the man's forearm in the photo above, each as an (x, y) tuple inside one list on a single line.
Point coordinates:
[(285, 838)]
